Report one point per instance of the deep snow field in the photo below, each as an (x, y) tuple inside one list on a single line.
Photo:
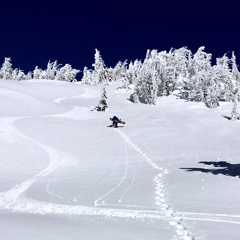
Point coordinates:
[(171, 172)]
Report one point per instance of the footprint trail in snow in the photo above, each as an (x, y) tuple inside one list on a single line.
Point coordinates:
[(160, 199)]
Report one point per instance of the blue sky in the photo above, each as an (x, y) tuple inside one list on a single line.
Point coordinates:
[(34, 32)]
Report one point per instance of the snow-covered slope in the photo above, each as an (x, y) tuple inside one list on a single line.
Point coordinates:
[(171, 172)]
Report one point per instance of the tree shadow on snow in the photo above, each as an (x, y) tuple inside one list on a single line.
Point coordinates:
[(228, 118), (227, 169)]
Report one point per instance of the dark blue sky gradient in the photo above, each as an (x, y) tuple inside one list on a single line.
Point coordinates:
[(34, 32)]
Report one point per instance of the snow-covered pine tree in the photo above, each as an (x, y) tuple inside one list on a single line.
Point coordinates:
[(14, 74), (235, 114), (145, 84), (87, 76), (150, 78), (20, 75), (6, 69), (212, 92), (129, 74), (223, 77), (51, 70), (117, 71), (168, 72), (123, 74), (135, 72), (99, 73), (161, 84), (160, 69), (180, 61), (67, 73), (29, 76), (199, 74), (235, 73), (43, 74), (103, 102), (120, 74), (154, 77), (110, 75), (236, 81), (37, 73)]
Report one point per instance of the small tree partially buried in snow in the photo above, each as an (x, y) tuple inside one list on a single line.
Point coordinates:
[(103, 102)]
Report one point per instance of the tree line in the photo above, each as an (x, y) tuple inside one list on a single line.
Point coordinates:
[(191, 76), (52, 72)]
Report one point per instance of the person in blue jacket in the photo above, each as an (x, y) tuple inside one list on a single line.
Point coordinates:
[(115, 121)]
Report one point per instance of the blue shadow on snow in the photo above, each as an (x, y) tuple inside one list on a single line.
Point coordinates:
[(227, 169)]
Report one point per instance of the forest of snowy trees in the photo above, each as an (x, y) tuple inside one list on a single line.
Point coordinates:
[(162, 73), (53, 72), (192, 76)]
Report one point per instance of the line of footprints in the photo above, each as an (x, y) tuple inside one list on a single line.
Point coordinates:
[(160, 199)]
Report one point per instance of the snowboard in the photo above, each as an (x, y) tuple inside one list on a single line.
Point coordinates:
[(122, 122)]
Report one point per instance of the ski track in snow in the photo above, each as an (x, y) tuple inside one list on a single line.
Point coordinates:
[(119, 184), (221, 218), (78, 196), (133, 179), (126, 172), (51, 191)]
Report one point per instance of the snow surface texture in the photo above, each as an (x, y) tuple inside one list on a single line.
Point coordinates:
[(66, 174)]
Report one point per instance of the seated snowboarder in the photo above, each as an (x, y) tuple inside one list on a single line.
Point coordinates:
[(115, 121)]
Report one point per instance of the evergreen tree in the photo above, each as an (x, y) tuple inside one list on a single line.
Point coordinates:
[(235, 73), (150, 78), (134, 71), (129, 75), (120, 74), (15, 74), (99, 73), (199, 73), (167, 72), (212, 92), (29, 76), (6, 69), (20, 75), (67, 73), (87, 76), (103, 102), (43, 74), (235, 114), (181, 60), (37, 73), (51, 70), (223, 77), (236, 79)]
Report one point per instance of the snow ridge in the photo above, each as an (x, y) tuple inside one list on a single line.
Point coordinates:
[(160, 199)]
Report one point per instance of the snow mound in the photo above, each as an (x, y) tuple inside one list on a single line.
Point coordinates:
[(11, 100)]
